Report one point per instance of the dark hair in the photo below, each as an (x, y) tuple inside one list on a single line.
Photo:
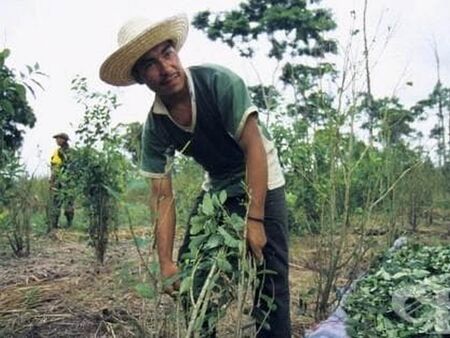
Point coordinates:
[(135, 72)]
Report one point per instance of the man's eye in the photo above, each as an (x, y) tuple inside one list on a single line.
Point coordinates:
[(169, 52), (146, 64)]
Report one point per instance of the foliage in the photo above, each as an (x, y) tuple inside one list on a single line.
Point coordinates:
[(15, 112), (291, 27), (16, 200), (295, 32), (16, 206), (439, 102), (187, 179), (132, 140), (392, 120), (400, 297), (97, 169), (215, 268)]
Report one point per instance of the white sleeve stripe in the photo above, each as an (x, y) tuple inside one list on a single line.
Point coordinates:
[(247, 113), (153, 175)]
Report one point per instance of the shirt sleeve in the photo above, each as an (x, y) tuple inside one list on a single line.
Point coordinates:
[(233, 101), (156, 154)]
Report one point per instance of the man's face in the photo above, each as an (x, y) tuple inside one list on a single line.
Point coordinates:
[(161, 70), (60, 141)]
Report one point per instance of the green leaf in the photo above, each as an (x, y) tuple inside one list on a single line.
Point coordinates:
[(213, 242), (186, 285), (21, 91), (223, 196), (223, 264), (197, 225), (7, 106), (207, 205), (237, 222), (196, 241), (229, 240)]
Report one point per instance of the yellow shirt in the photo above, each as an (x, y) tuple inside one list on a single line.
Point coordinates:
[(56, 159)]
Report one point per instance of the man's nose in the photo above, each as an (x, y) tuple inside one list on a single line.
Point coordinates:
[(164, 66)]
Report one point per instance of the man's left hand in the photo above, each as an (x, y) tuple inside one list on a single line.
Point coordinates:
[(256, 238)]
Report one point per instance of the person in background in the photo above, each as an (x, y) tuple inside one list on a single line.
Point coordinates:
[(205, 112), (59, 194)]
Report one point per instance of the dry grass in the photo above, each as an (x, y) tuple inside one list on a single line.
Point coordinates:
[(60, 290)]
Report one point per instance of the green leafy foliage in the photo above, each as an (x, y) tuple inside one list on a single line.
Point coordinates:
[(16, 200), (291, 26), (97, 169), (210, 277), (18, 208), (416, 274), (132, 140), (15, 111)]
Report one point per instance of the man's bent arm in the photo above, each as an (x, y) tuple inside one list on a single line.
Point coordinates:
[(163, 208), (256, 161)]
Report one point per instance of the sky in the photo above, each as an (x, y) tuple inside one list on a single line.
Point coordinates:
[(71, 37)]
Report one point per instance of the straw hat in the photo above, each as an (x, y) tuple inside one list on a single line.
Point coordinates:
[(137, 37)]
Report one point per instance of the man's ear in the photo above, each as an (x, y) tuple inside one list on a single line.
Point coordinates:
[(135, 75)]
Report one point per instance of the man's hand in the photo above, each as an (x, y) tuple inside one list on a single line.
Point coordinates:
[(169, 273), (256, 238)]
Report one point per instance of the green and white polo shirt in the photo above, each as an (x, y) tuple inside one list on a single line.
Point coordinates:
[(220, 107)]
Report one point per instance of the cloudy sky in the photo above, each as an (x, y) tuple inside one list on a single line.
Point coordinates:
[(73, 37)]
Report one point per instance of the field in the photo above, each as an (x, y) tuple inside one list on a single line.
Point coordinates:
[(60, 290)]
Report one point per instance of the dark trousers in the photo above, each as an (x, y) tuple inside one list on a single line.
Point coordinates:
[(59, 199), (275, 252)]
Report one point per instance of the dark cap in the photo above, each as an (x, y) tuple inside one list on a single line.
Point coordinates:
[(64, 136)]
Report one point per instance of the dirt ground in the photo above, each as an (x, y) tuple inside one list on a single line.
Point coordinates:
[(60, 291)]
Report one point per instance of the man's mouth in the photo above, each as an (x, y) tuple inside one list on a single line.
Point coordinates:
[(169, 79)]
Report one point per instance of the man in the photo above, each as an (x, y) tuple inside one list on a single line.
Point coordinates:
[(205, 112), (58, 192)]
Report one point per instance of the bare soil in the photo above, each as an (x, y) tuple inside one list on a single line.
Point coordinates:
[(61, 291)]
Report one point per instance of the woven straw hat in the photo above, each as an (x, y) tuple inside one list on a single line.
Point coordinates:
[(137, 37)]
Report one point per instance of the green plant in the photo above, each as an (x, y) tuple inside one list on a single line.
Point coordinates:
[(406, 295), (97, 168), (16, 221), (216, 268)]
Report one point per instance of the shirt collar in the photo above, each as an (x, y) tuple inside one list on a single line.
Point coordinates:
[(159, 107)]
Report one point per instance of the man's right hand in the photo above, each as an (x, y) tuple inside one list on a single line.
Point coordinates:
[(170, 280)]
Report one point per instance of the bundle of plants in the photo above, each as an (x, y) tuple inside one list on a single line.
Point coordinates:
[(406, 295), (216, 268)]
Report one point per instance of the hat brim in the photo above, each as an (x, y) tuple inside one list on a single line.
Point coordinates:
[(64, 137), (116, 69)]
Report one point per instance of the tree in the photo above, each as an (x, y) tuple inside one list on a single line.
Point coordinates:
[(294, 31), (16, 199), (438, 101), (97, 169), (15, 112)]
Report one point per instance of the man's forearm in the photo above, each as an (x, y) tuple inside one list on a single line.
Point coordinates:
[(256, 179), (165, 231), (163, 207)]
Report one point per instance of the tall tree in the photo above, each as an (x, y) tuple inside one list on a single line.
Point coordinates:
[(15, 112), (294, 30), (438, 101)]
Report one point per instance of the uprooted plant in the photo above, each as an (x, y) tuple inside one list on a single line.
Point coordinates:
[(216, 269)]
